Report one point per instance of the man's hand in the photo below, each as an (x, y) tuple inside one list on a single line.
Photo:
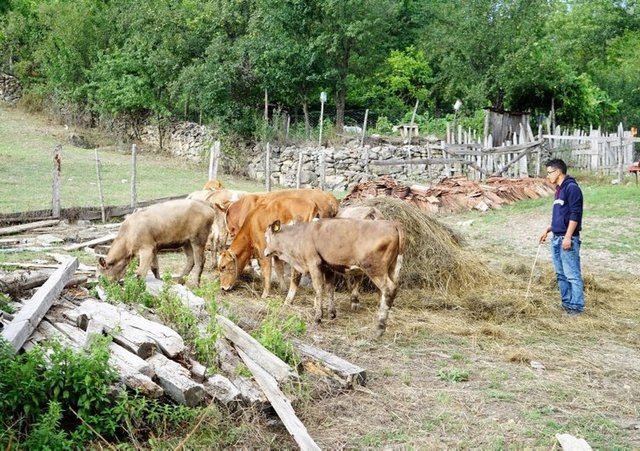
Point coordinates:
[(543, 237), (566, 243)]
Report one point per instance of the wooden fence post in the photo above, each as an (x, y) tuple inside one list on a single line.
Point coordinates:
[(57, 168), (621, 154), (267, 168), (322, 170), (134, 193), (413, 120), (364, 127), (299, 172), (215, 158), (100, 193)]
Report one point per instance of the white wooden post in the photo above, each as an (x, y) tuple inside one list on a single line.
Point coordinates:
[(621, 154), (134, 195), (216, 158), (323, 99), (364, 127), (322, 170), (286, 136), (267, 169), (299, 173), (212, 152), (57, 168), (100, 193), (413, 120)]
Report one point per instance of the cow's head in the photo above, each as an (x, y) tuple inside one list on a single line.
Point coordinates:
[(273, 229), (112, 270), (228, 269)]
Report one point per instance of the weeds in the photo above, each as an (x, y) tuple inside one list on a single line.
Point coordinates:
[(453, 375), (273, 332), (5, 305), (133, 289)]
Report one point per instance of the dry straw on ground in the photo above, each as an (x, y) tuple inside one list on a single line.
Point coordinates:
[(434, 256)]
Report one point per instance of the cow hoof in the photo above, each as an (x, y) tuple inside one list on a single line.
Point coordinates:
[(332, 314), (264, 295), (355, 306), (379, 332)]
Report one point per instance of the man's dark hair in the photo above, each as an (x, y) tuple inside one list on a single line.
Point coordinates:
[(557, 163)]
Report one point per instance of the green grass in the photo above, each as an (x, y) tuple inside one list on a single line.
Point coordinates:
[(26, 169)]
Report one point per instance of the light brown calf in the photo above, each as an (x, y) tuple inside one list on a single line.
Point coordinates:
[(177, 223), (328, 246)]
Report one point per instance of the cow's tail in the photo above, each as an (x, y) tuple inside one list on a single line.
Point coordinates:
[(401, 245)]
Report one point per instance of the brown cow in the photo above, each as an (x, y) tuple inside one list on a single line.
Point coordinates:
[(177, 223), (213, 185), (327, 246), (219, 199), (238, 211), (249, 242)]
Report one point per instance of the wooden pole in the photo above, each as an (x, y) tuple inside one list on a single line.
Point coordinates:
[(286, 135), (364, 127), (299, 173), (321, 123), (212, 153), (322, 170), (267, 169), (57, 168), (134, 194), (621, 154), (216, 158), (413, 120), (100, 193)]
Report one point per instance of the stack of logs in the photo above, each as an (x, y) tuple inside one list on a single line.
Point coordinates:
[(152, 359), (453, 194)]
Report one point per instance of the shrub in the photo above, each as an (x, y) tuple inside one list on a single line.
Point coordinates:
[(273, 332)]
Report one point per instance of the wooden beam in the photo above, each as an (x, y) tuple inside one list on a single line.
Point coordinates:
[(351, 373), (176, 381), (28, 318), (280, 404), (271, 363), (105, 239), (23, 227)]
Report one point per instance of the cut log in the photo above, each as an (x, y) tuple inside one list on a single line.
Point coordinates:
[(28, 318), (175, 380), (352, 374), (22, 227), (105, 239), (231, 365), (133, 329), (280, 403), (195, 303), (223, 391), (271, 363), (198, 370)]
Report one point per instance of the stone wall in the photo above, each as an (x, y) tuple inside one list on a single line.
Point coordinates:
[(10, 88), (344, 166), (186, 140)]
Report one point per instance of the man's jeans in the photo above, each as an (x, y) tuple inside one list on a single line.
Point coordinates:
[(567, 265)]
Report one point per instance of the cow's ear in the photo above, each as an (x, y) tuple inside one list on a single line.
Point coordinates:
[(102, 262), (275, 226)]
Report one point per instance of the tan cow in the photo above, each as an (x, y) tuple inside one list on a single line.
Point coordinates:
[(213, 185), (360, 213), (177, 223), (249, 242), (219, 199), (238, 211), (328, 246)]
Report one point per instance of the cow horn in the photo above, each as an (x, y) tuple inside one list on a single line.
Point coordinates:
[(102, 262)]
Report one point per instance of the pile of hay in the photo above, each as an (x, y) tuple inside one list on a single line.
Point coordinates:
[(433, 256)]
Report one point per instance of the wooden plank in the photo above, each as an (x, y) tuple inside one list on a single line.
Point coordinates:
[(105, 239), (231, 364), (176, 381), (28, 318), (353, 374), (280, 403), (271, 363), (222, 390), (23, 227)]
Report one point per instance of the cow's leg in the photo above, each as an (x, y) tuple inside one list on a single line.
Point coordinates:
[(265, 267), (188, 251), (198, 259), (293, 286), (278, 266), (155, 268), (145, 260), (317, 279), (330, 290), (388, 290)]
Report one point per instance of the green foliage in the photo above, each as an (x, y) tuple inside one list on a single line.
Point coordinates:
[(4, 303), (133, 289), (273, 333), (453, 375)]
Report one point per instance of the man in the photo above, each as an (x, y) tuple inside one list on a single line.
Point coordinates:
[(566, 222)]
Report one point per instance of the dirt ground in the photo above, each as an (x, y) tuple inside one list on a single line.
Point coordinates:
[(446, 376), (465, 369)]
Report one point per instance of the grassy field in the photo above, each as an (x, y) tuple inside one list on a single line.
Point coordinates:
[(485, 366), (26, 169)]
